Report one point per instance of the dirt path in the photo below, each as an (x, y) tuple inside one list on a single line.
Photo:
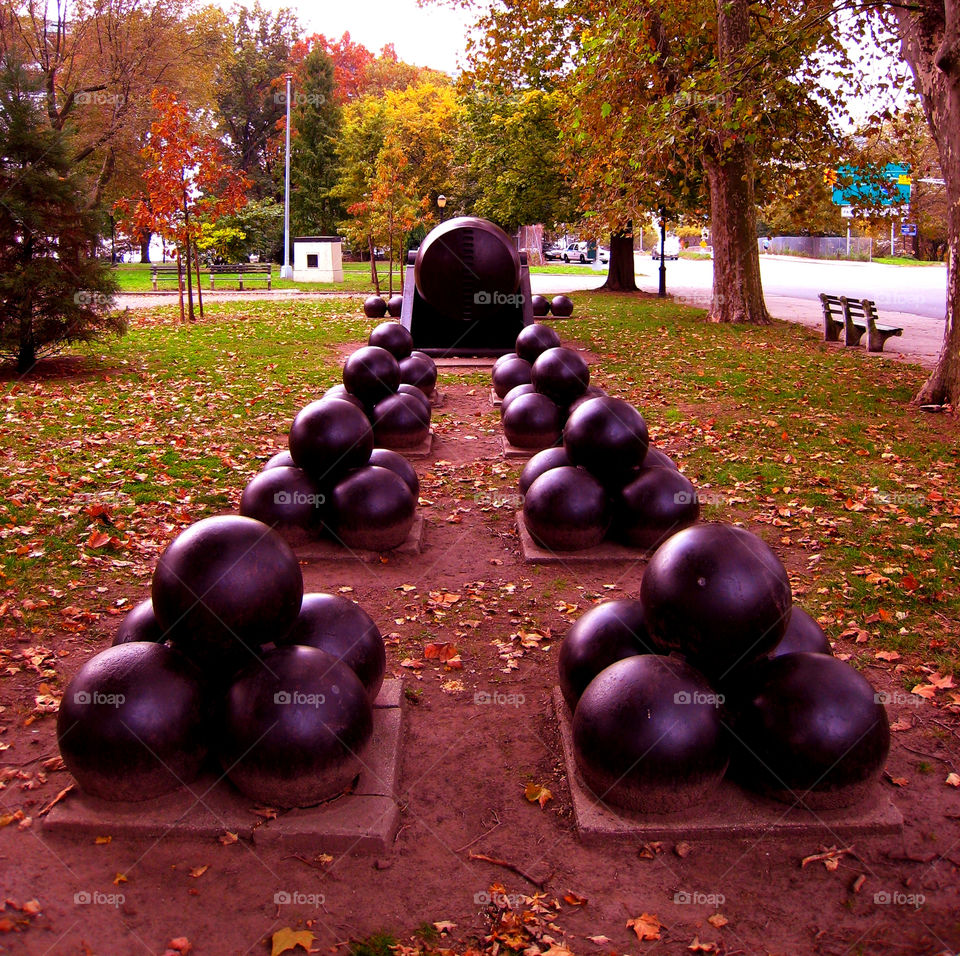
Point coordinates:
[(465, 763)]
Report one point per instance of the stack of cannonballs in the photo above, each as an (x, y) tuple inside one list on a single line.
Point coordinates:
[(713, 666), (333, 480), (603, 481), (374, 307), (560, 305), (228, 657)]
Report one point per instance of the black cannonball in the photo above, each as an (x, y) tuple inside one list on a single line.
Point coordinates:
[(501, 359), (420, 371), (224, 587), (593, 391), (534, 340), (515, 392), (372, 509), (540, 305), (393, 337), (405, 389), (509, 374), (803, 634), (561, 306), (608, 436), (655, 504), (654, 458), (647, 735), (328, 438), (400, 421), (140, 624), (809, 728), (542, 461), (133, 722), (339, 392), (385, 458), (294, 727), (282, 459), (286, 499), (371, 373), (345, 631), (561, 374), (374, 307), (394, 306), (565, 509), (718, 595), (532, 421), (600, 637)]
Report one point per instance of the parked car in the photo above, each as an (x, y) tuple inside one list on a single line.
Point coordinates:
[(577, 252), (554, 252), (604, 254), (671, 248)]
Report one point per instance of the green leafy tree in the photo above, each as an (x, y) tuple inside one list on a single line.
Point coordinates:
[(53, 291)]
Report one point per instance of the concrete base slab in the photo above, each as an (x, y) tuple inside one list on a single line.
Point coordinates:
[(495, 400), (730, 813), (465, 361), (606, 551), (423, 450), (513, 451), (365, 819), (323, 549)]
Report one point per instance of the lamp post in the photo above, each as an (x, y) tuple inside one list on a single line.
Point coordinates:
[(441, 202), (287, 271), (662, 293)]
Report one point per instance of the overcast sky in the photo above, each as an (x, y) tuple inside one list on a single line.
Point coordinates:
[(430, 36)]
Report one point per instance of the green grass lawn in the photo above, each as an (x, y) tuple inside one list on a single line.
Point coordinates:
[(905, 261), (816, 448)]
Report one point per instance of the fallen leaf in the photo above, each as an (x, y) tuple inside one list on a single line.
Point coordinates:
[(646, 926), (98, 540), (683, 849), (697, 947), (649, 850), (7, 925), (452, 686), (119, 878), (718, 920), (896, 781), (574, 899), (227, 838), (829, 856), (444, 926), (599, 940), (180, 945), (953, 779), (284, 940), (31, 908), (858, 883), (887, 656), (537, 793), (902, 723), (197, 871), (926, 691), (102, 840)]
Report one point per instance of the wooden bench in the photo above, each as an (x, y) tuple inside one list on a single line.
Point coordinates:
[(160, 272), (855, 317), (253, 270)]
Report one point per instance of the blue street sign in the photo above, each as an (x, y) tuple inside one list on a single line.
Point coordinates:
[(872, 187), (908, 229)]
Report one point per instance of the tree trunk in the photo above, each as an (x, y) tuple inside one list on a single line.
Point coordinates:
[(737, 291), (930, 43), (620, 270), (145, 247), (26, 355), (374, 277), (186, 231), (196, 259)]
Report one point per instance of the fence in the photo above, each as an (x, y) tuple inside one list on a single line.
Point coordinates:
[(823, 247)]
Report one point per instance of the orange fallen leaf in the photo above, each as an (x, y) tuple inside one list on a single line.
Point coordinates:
[(98, 540), (896, 781), (197, 871), (285, 940), (7, 925), (953, 780), (227, 838), (31, 908), (887, 656), (718, 920), (119, 878), (646, 926), (102, 840), (574, 899), (926, 691), (697, 947), (901, 724), (180, 945), (444, 926), (536, 793)]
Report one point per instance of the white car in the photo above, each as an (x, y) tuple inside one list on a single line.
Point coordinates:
[(671, 248)]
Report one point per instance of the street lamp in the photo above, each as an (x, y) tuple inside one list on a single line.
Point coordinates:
[(441, 202), (287, 271), (662, 293)]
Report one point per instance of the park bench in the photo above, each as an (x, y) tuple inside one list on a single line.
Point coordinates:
[(856, 317), (163, 272), (252, 270)]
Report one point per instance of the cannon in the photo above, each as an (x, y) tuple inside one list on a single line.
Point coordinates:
[(466, 290)]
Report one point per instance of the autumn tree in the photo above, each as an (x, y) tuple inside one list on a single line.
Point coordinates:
[(53, 290), (187, 183)]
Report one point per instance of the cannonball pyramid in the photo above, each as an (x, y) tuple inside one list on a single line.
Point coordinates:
[(713, 671), (595, 475)]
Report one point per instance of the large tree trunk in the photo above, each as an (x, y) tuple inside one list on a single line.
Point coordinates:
[(621, 275), (145, 247), (737, 292), (931, 46)]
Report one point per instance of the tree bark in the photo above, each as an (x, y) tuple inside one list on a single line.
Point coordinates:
[(930, 43), (373, 267), (145, 247), (620, 271), (737, 290)]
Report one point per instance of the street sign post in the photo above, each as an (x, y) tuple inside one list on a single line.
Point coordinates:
[(908, 229)]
